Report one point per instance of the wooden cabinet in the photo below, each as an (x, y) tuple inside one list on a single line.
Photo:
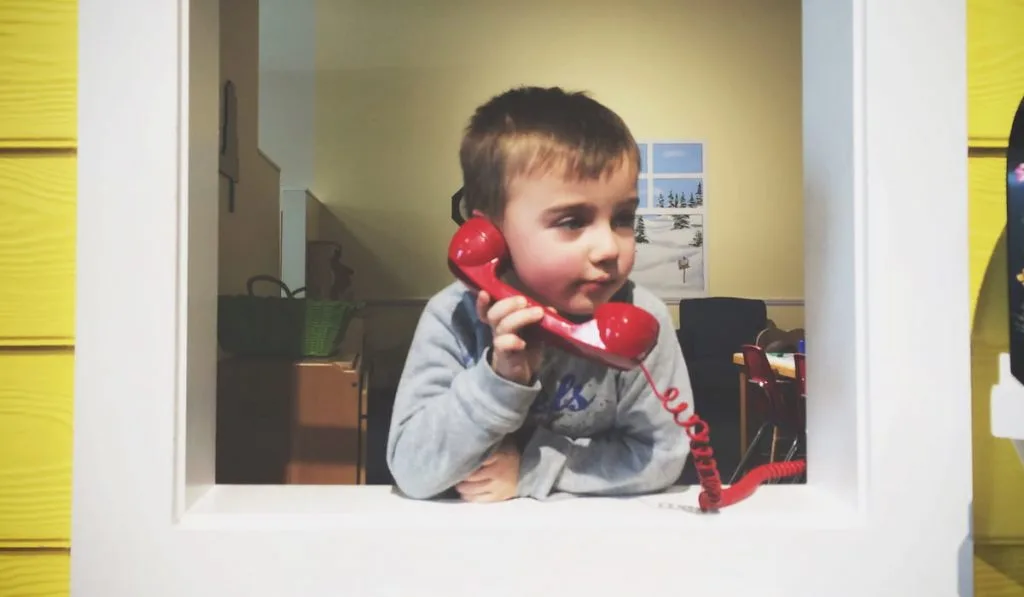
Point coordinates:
[(281, 421)]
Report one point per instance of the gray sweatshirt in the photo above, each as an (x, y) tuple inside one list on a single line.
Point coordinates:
[(582, 428)]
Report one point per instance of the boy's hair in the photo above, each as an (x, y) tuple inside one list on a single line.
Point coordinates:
[(531, 129)]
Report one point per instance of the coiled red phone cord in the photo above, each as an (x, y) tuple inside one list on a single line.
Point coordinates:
[(712, 497)]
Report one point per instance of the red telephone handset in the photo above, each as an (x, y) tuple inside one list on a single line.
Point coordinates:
[(620, 335)]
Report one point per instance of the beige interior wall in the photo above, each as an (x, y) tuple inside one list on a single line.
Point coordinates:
[(389, 118), (249, 237)]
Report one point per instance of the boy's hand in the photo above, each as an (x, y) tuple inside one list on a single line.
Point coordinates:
[(511, 358), (496, 480)]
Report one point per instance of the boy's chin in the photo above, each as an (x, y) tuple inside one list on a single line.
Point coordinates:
[(584, 304), (572, 307), (577, 305), (581, 306)]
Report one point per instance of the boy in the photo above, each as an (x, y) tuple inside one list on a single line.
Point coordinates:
[(493, 415)]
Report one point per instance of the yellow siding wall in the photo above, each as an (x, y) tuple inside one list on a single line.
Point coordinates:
[(995, 59), (38, 74)]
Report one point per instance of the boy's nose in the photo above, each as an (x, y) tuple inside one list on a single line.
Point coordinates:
[(605, 247)]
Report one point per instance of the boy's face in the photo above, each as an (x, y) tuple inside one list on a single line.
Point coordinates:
[(572, 242)]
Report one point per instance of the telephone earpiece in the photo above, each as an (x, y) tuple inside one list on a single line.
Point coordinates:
[(619, 335), (477, 242)]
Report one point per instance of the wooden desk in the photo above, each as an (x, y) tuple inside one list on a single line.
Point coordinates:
[(783, 366)]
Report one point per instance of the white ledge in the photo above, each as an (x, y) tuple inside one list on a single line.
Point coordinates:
[(322, 507), (1007, 403)]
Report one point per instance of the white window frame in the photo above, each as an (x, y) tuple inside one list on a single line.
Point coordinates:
[(886, 510)]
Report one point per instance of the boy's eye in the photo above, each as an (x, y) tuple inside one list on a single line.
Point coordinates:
[(574, 223), (627, 219)]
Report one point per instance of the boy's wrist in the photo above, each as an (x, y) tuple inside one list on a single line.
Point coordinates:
[(499, 369), (493, 375)]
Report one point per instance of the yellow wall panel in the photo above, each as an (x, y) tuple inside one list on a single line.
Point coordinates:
[(35, 446), (37, 249), (986, 180), (995, 81), (38, 72), (34, 574), (995, 68)]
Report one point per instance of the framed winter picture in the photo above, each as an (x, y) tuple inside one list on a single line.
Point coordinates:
[(671, 224)]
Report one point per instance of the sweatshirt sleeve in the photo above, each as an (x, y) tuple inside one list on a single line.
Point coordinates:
[(451, 410), (645, 450)]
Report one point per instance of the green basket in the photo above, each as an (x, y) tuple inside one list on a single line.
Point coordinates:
[(290, 327)]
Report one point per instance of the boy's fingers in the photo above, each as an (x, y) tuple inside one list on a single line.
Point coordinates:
[(481, 474), (503, 308), (519, 319), (482, 301), (481, 497), (472, 488), (508, 343)]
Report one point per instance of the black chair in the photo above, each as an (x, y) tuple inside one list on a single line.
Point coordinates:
[(710, 331)]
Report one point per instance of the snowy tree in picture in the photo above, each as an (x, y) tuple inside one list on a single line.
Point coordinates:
[(641, 231), (677, 199), (670, 261)]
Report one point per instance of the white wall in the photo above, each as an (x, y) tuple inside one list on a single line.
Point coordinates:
[(287, 87)]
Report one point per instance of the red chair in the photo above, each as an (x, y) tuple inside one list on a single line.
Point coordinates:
[(800, 367), (781, 412)]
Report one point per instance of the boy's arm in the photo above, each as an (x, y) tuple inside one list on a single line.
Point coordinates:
[(643, 452), (449, 413)]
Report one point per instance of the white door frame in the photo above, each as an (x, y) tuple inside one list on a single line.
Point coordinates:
[(886, 511)]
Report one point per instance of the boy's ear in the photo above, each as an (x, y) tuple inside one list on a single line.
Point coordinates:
[(479, 214)]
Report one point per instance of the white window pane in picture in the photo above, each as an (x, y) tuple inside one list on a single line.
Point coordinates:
[(677, 158)]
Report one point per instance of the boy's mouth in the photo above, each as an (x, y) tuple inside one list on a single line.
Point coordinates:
[(596, 284)]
